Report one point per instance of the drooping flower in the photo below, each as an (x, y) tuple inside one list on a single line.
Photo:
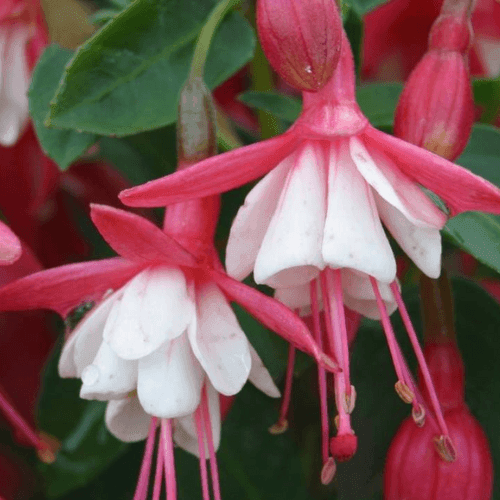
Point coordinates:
[(301, 39), (23, 35), (436, 109), (414, 469), (312, 228)]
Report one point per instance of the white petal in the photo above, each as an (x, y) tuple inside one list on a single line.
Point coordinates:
[(354, 236), (169, 380), (81, 348), (15, 84), (394, 187), (290, 253), (218, 341), (109, 376), (126, 420), (252, 220), (260, 377), (359, 295), (185, 434), (421, 244), (155, 307), (295, 297)]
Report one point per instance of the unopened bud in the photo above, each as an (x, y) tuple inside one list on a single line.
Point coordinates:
[(420, 466), (436, 108), (301, 39), (196, 131)]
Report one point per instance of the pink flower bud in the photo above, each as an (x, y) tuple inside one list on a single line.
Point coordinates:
[(415, 471), (436, 109), (301, 39), (418, 466)]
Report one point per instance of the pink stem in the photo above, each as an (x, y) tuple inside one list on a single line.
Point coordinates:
[(169, 463), (325, 427), (210, 441), (19, 423), (141, 489), (201, 450), (420, 357)]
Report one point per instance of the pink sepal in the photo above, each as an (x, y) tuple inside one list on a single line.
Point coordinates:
[(460, 189), (10, 246), (216, 174), (271, 313), (137, 239), (63, 288)]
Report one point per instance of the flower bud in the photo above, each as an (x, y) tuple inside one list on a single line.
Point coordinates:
[(301, 39), (414, 469), (436, 109)]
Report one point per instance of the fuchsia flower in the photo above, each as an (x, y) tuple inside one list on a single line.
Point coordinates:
[(312, 228), (301, 39), (414, 470), (23, 36), (162, 328), (436, 109)]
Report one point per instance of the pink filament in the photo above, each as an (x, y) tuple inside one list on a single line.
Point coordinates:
[(158, 474), (141, 489), (389, 333), (420, 357), (168, 449), (287, 395), (18, 422), (198, 418), (211, 451), (325, 428)]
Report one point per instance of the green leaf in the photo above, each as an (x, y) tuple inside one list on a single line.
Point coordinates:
[(378, 102), (282, 106), (487, 97), (87, 448), (127, 78), (482, 154), (478, 234), (63, 146)]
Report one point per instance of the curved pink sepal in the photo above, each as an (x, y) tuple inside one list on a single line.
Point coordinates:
[(135, 238), (10, 246), (460, 189), (63, 288), (216, 174), (271, 313)]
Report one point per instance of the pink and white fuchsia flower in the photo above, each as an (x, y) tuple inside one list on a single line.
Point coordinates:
[(312, 228), (22, 38), (162, 341)]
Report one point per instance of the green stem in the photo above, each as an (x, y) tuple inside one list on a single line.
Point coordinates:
[(206, 34)]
